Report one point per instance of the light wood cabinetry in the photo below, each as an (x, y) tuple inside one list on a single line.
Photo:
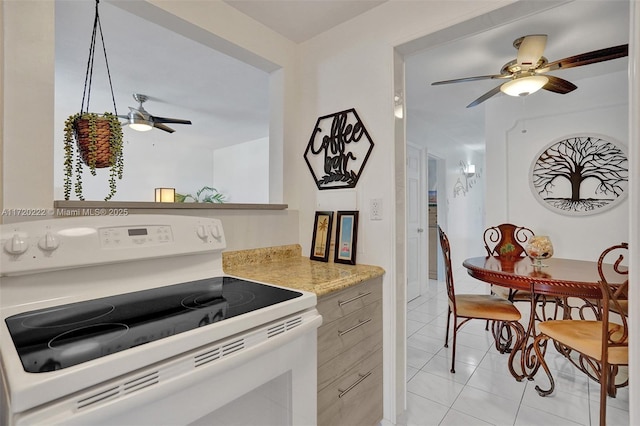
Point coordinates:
[(350, 356)]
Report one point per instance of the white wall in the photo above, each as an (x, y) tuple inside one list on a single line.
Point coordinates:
[(148, 164), (465, 207), (599, 106), (241, 172), (349, 66), (27, 122)]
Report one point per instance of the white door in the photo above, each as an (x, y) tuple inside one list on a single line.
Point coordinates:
[(416, 217)]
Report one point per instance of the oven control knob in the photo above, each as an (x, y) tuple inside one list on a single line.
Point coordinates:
[(16, 244), (215, 232), (202, 232), (49, 242)]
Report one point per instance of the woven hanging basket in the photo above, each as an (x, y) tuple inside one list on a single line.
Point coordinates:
[(104, 155)]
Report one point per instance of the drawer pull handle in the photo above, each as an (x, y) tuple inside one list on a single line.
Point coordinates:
[(359, 324), (353, 299), (342, 393)]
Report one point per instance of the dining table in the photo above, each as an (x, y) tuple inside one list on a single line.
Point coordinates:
[(570, 286)]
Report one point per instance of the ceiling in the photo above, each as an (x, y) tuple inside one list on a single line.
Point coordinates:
[(300, 20), (227, 100), (441, 110)]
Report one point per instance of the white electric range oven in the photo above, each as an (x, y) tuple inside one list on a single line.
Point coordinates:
[(130, 320)]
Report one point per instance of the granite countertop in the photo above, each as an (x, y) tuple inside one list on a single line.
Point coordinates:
[(285, 266)]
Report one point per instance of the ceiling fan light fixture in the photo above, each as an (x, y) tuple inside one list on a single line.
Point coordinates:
[(139, 124), (524, 86)]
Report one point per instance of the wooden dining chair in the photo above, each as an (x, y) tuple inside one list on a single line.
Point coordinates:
[(598, 346), (506, 240), (466, 307)]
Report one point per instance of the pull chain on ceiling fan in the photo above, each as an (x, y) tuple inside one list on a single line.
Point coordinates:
[(527, 73)]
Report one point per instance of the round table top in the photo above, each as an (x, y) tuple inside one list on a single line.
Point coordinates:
[(560, 277)]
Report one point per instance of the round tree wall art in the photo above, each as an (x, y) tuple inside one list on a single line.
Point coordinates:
[(580, 175)]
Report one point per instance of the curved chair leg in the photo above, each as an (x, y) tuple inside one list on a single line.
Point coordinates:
[(520, 338), (613, 389), (502, 335), (446, 336), (540, 340), (604, 390), (455, 338)]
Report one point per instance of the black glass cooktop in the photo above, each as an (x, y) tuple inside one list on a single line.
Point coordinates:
[(62, 336)]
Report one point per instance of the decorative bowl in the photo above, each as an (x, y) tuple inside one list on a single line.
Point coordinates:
[(539, 247)]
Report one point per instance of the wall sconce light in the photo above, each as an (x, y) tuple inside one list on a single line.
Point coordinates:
[(524, 86), (471, 170), (165, 195)]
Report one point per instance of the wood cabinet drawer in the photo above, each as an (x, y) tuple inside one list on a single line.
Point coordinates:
[(338, 305), (343, 362), (338, 336), (355, 398)]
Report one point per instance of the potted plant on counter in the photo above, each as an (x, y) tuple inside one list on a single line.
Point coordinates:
[(206, 194)]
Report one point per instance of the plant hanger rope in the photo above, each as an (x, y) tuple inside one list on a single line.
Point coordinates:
[(88, 79), (98, 137)]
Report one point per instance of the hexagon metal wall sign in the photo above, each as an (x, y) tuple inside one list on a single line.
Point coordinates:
[(338, 150)]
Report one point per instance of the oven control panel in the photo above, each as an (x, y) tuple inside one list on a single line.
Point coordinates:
[(71, 242), (126, 236)]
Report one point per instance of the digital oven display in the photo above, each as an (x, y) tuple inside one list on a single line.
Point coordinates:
[(137, 232)]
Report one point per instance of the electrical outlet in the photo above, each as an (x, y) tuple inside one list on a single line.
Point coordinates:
[(375, 209)]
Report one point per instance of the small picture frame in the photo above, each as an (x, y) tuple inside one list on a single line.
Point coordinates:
[(321, 236), (346, 237)]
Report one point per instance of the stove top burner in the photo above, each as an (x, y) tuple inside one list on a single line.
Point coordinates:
[(62, 336), (68, 315)]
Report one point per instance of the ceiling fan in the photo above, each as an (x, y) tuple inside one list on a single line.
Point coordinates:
[(139, 119), (527, 73)]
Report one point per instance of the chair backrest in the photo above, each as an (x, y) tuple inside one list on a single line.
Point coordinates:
[(446, 253), (506, 240), (614, 284)]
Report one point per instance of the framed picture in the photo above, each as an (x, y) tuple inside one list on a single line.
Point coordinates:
[(346, 237), (321, 236)]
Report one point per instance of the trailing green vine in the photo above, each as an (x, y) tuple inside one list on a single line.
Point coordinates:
[(75, 163)]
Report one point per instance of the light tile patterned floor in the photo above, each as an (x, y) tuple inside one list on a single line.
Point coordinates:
[(482, 391)]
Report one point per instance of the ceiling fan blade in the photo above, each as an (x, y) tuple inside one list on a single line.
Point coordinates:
[(170, 120), (480, 77), (486, 96), (587, 58), (559, 85), (530, 50), (163, 127)]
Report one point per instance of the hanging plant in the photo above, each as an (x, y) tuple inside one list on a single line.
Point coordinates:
[(98, 144), (98, 137)]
